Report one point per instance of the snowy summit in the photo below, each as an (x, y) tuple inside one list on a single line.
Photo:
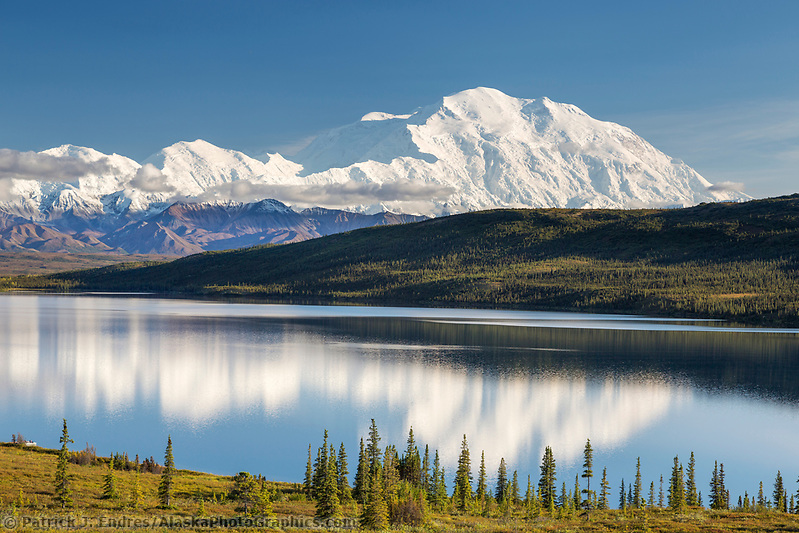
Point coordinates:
[(477, 149)]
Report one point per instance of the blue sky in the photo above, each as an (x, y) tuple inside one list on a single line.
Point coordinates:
[(715, 83)]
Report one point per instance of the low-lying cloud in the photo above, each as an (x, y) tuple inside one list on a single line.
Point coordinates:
[(329, 194), (727, 186), (45, 167), (150, 179)]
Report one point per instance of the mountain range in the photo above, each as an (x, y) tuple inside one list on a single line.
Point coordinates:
[(474, 150)]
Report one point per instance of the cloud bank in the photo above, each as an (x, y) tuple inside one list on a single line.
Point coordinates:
[(332, 194), (44, 167)]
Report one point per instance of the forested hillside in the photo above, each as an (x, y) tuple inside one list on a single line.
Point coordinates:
[(729, 260)]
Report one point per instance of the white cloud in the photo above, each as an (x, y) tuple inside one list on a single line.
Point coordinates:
[(725, 186), (44, 167), (329, 195), (149, 179)]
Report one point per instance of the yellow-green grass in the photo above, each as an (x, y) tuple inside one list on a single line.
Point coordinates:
[(26, 490), (27, 484)]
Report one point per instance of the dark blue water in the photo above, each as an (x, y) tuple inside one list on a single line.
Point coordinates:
[(248, 387)]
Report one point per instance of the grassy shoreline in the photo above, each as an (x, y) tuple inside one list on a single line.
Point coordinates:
[(26, 495)]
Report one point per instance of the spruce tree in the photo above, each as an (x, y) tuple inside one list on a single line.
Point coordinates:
[(652, 494), (344, 490), (761, 498), (481, 479), (725, 495), (373, 446), (166, 485), (514, 496), (375, 510), (605, 490), (660, 493), (247, 491), (435, 481), (136, 491), (463, 479), (411, 462), (622, 496), (390, 472), (588, 473), (502, 481), (110, 484), (360, 491), (676, 487), (576, 493), (637, 487), (328, 504), (63, 493), (320, 468), (779, 494), (691, 495), (426, 469), (308, 482), (546, 483)]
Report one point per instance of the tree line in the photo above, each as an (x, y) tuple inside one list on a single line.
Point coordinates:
[(390, 488)]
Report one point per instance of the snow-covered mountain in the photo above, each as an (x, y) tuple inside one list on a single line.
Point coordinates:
[(493, 150), (476, 149)]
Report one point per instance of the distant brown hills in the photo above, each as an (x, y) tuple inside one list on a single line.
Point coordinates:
[(184, 228)]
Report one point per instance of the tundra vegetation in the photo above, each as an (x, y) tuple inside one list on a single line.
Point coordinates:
[(407, 490)]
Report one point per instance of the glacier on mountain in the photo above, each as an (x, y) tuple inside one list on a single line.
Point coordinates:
[(477, 149)]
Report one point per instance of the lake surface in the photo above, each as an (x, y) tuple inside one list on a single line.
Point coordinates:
[(248, 386)]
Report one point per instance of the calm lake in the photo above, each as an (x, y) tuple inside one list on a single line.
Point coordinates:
[(249, 386)]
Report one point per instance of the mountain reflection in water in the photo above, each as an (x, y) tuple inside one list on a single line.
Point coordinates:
[(512, 388)]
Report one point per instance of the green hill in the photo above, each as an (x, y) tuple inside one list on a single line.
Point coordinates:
[(732, 261)]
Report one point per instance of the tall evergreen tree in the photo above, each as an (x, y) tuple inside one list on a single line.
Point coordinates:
[(435, 481), (577, 500), (660, 493), (166, 485), (373, 446), (691, 494), (622, 496), (63, 493), (718, 493), (761, 498), (481, 479), (375, 510), (604, 490), (328, 504), (463, 479), (320, 468), (426, 469), (637, 487), (441, 489), (546, 483), (391, 475), (344, 490), (514, 496), (411, 462), (779, 494), (588, 473), (676, 487), (652, 494), (360, 491), (307, 484), (502, 481)]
